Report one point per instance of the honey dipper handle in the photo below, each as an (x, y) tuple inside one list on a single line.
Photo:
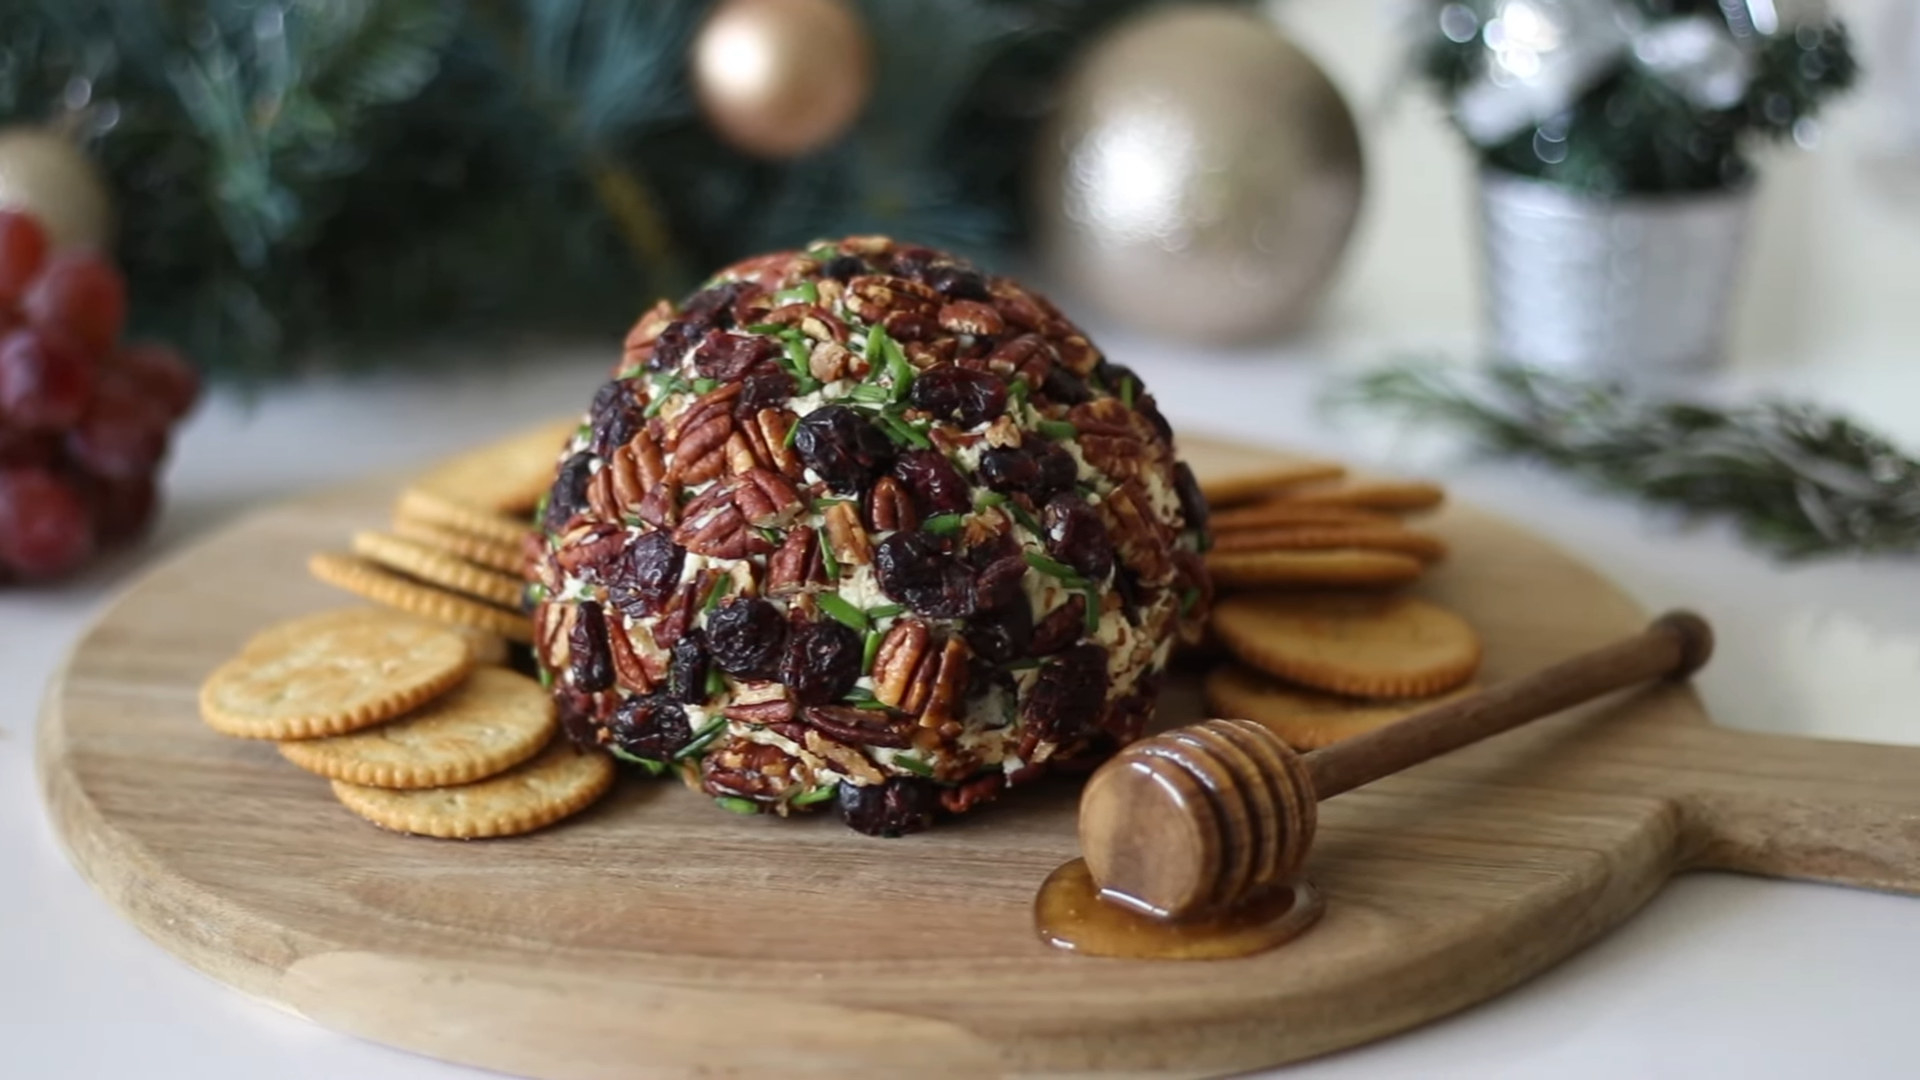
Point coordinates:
[(1675, 645)]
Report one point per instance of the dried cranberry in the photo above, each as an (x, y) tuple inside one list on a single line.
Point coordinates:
[(727, 356), (957, 282), (617, 415), (843, 267), (671, 347), (569, 494), (902, 805), (843, 447), (1112, 376), (576, 713), (915, 569), (746, 637), (913, 261), (687, 668), (822, 662), (766, 386), (653, 727), (1061, 628), (1193, 504), (643, 578), (1036, 473), (951, 392), (1076, 535), (1003, 633), (862, 727), (937, 487), (1068, 696), (712, 308), (1064, 387), (589, 658)]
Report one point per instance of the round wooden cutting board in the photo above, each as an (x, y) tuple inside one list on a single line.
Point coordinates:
[(659, 936)]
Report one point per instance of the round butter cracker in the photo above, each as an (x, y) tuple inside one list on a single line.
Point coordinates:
[(555, 784), (374, 582), (1351, 567), (1305, 719), (508, 476), (432, 508), (435, 567), (1353, 644), (491, 722), (335, 674)]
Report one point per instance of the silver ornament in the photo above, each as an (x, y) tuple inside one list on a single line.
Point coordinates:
[(1200, 178), (44, 174)]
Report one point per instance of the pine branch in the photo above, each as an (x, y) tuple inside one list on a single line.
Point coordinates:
[(1795, 479)]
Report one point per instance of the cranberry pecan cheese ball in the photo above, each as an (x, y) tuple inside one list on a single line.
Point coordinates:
[(862, 525)]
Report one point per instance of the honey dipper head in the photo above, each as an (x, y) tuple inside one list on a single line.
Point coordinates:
[(1195, 821)]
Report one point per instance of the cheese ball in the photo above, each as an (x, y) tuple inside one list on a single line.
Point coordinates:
[(862, 525)]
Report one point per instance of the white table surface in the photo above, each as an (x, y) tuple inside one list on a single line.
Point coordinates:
[(1719, 975)]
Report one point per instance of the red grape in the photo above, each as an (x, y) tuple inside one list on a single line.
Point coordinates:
[(123, 434), (122, 508), (23, 247), (81, 293), (163, 373), (45, 380), (44, 531)]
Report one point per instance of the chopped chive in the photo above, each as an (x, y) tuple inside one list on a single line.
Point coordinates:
[(1027, 663), (654, 768), (716, 682), (828, 561), (859, 694), (843, 613), (763, 328), (714, 594), (769, 535), (654, 406), (1187, 600), (943, 524), (813, 795), (1126, 392), (793, 430), (913, 765), (1093, 612), (884, 611), (546, 677), (823, 503), (736, 805), (899, 432), (705, 386), (989, 498), (1019, 388), (701, 738), (873, 706), (870, 650), (537, 591), (1056, 429), (870, 394), (584, 431), (799, 357), (1054, 568), (898, 370), (873, 350), (804, 293), (1025, 519), (630, 372)]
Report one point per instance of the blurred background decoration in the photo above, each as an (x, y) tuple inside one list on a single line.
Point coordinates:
[(323, 181), (1200, 178), (1615, 139)]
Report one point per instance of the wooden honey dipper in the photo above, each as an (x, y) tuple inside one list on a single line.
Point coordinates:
[(1200, 820)]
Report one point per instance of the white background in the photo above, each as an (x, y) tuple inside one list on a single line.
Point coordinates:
[(1718, 975)]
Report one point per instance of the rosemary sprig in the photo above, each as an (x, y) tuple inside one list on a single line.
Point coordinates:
[(1796, 480)]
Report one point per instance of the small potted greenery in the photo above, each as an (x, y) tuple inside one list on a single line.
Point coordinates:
[(1616, 178)]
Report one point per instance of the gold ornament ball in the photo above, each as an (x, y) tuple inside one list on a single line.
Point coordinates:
[(43, 173), (780, 78), (1200, 178)]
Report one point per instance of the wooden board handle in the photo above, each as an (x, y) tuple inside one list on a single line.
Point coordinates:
[(1675, 645)]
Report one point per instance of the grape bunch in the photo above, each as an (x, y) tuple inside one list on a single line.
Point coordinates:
[(84, 417)]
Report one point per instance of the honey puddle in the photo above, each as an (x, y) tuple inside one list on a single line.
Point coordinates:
[(1070, 914)]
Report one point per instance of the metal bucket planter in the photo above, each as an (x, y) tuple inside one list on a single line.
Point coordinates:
[(1629, 284)]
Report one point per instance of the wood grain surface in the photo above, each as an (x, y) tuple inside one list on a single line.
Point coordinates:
[(659, 936)]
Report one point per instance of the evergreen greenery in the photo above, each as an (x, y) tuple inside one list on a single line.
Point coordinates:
[(1796, 480), (327, 179), (1632, 134)]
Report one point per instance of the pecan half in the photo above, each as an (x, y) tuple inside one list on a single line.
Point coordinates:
[(1003, 433), (789, 570), (964, 797), (948, 685), (890, 507), (722, 534), (872, 297), (831, 361), (847, 535), (628, 669), (739, 453), (1143, 543), (701, 453), (897, 659), (814, 320), (1028, 355), (972, 317), (714, 402), (765, 498), (778, 711), (845, 760), (584, 550), (660, 506), (747, 770), (861, 727), (601, 498), (773, 425)]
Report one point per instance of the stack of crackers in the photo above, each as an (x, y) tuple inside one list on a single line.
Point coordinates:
[(414, 732), (1324, 646), (457, 542)]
